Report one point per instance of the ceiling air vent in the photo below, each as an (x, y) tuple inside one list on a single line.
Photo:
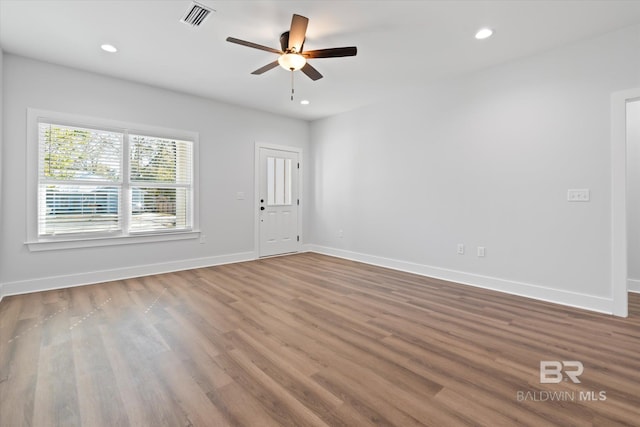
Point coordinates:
[(195, 15)]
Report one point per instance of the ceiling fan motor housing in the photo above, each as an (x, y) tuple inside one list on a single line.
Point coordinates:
[(284, 42)]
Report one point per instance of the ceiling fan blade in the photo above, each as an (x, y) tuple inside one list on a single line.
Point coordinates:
[(266, 68), (334, 52), (297, 32), (311, 72), (253, 45)]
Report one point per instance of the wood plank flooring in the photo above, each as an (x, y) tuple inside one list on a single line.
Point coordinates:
[(308, 340)]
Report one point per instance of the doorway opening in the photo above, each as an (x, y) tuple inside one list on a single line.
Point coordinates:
[(633, 194), (620, 102)]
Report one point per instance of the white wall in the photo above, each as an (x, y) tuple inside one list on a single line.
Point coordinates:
[(633, 194), (227, 138), (484, 160)]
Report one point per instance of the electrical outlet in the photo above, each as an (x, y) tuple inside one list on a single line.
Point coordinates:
[(480, 251), (203, 239), (340, 233), (460, 248), (578, 195)]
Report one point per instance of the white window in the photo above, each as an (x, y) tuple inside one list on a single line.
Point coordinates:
[(109, 183), (160, 177)]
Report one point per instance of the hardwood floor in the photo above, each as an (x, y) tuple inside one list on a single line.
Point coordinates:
[(308, 340)]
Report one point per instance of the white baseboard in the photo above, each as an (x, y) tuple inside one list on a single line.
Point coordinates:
[(89, 278), (573, 299), (633, 285)]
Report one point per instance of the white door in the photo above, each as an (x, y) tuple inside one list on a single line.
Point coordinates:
[(278, 202)]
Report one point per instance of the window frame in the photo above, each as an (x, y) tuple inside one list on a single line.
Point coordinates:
[(92, 239)]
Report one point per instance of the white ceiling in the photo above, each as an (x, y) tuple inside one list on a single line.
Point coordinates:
[(401, 44)]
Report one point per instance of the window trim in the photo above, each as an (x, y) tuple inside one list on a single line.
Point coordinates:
[(38, 243)]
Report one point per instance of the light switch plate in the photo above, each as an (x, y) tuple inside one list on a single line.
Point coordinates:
[(578, 195)]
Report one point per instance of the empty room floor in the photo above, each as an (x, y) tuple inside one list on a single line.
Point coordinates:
[(311, 340)]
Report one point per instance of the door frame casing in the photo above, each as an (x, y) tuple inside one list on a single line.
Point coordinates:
[(256, 192), (619, 270)]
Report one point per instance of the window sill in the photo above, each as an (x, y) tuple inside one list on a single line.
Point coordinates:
[(61, 244)]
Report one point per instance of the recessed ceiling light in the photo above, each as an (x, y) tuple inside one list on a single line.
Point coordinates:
[(108, 48), (484, 33), (304, 102)]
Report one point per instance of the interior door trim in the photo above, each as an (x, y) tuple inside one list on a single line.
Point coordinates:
[(619, 269)]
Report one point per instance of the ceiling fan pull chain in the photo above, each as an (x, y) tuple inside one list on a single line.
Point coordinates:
[(292, 85)]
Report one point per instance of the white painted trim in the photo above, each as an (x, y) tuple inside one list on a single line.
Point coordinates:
[(256, 192), (619, 200), (633, 285), (94, 277), (49, 245), (31, 168), (572, 299)]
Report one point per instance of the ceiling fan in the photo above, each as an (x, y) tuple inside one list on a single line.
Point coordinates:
[(292, 56)]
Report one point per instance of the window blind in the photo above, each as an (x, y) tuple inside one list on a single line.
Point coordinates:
[(161, 183), (79, 180), (86, 185)]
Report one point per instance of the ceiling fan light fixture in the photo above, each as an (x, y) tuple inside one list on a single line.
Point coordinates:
[(292, 61)]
